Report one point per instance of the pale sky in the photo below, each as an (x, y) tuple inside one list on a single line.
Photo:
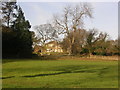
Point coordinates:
[(105, 14)]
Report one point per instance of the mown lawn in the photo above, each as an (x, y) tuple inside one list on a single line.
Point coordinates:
[(60, 74)]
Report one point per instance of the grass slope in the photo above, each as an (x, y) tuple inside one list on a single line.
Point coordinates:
[(60, 74)]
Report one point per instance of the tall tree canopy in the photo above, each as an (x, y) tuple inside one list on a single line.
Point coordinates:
[(72, 20), (8, 11), (21, 27), (16, 37)]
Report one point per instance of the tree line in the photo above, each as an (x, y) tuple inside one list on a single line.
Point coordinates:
[(18, 41), (91, 43), (77, 40)]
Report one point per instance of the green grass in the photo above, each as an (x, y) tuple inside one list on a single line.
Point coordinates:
[(60, 74)]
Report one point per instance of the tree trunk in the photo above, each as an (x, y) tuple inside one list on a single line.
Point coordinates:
[(90, 54), (71, 45), (70, 50), (8, 21)]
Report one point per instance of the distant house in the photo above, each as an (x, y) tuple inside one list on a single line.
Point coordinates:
[(53, 46), (49, 47)]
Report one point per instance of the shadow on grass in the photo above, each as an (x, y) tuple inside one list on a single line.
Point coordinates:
[(65, 72), (46, 57), (7, 77), (100, 72)]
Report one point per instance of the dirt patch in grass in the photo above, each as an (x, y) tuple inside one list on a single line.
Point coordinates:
[(98, 58)]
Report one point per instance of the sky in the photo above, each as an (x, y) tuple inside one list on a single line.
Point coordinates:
[(105, 14)]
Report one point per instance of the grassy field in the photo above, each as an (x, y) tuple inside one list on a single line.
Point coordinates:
[(60, 74)]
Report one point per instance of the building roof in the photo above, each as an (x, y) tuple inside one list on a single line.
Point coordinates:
[(51, 42)]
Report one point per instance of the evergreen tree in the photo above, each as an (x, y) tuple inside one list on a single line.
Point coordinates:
[(24, 36), (16, 37), (8, 10)]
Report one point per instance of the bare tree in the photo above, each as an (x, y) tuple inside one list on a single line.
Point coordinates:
[(94, 40), (45, 32), (79, 43), (72, 20)]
